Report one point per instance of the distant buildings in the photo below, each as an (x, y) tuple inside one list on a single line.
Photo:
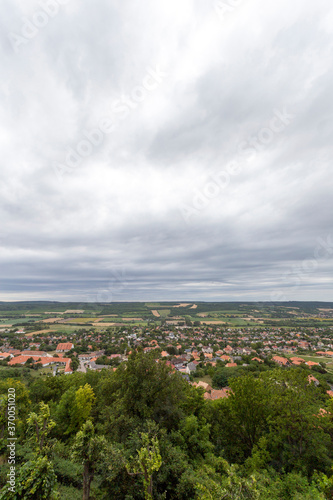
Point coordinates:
[(22, 358)]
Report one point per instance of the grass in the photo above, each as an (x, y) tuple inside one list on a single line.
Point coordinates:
[(323, 359), (70, 493), (43, 371), (11, 321), (67, 328), (317, 359), (164, 312), (34, 373), (3, 368), (83, 320)]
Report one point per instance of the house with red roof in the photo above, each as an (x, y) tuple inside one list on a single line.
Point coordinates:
[(217, 394), (257, 359), (281, 361), (64, 347), (44, 360), (313, 379), (225, 357), (310, 364), (297, 361), (4, 355)]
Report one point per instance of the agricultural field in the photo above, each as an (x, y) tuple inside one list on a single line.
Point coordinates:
[(164, 312), (67, 317)]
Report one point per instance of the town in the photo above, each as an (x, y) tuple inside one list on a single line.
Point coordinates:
[(207, 343)]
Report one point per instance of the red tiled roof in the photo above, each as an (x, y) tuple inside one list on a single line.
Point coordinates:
[(202, 384), (44, 360), (217, 394), (18, 360), (225, 358), (67, 346), (33, 353), (280, 360), (311, 363)]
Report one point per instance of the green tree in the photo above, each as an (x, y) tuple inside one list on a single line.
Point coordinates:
[(220, 378), (88, 449), (148, 461), (75, 363), (22, 402), (240, 420), (36, 479), (195, 437), (41, 424), (232, 486), (139, 390), (74, 408), (298, 435)]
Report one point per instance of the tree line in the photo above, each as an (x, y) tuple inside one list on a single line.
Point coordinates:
[(144, 432)]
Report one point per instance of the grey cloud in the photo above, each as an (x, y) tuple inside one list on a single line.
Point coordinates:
[(121, 207)]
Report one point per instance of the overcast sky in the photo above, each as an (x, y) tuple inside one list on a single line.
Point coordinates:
[(166, 150)]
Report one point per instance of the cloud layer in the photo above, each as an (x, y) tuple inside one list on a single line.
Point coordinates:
[(166, 150)]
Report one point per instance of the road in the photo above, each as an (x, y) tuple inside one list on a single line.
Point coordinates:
[(82, 368)]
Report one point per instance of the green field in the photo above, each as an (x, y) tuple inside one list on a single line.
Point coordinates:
[(328, 360), (165, 312), (274, 314)]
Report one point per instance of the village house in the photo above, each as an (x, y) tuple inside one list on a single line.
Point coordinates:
[(217, 394), (313, 379), (297, 361), (310, 364), (64, 347), (192, 366), (44, 361), (5, 355), (34, 353), (281, 361), (203, 385)]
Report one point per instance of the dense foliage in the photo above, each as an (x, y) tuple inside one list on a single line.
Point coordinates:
[(143, 431)]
